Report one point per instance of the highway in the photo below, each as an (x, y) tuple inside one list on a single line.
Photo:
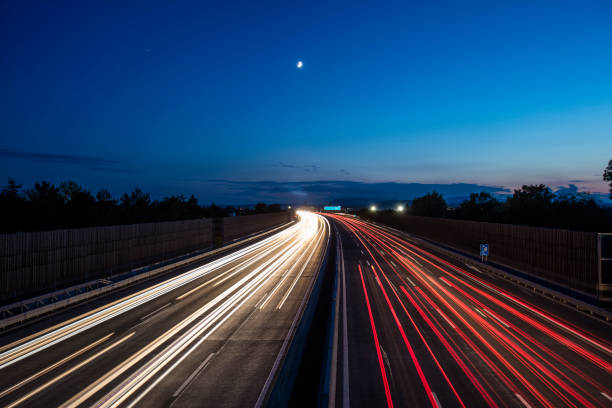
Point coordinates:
[(212, 335), (416, 330)]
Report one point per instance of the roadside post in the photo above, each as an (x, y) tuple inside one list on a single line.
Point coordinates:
[(484, 252)]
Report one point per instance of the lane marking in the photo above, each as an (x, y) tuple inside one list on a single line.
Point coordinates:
[(155, 311), (278, 285), (393, 263), (496, 318), (520, 398), (257, 305), (436, 399), (189, 379), (70, 371), (606, 395), (53, 366), (410, 280), (299, 275), (445, 281), (480, 313), (446, 318)]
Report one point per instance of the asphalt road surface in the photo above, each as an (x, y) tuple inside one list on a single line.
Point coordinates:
[(211, 336), (417, 330)]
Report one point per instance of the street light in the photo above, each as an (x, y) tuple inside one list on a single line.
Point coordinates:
[(400, 208), (373, 208)]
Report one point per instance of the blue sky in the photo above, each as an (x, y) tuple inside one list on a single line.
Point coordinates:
[(170, 96)]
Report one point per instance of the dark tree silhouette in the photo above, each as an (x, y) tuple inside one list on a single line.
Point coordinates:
[(261, 208), (530, 205), (430, 205), (480, 207), (12, 206), (607, 175), (46, 207)]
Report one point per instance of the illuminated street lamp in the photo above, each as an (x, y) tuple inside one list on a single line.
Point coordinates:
[(400, 208), (373, 208)]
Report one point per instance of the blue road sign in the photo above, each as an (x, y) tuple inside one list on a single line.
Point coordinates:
[(332, 208), (484, 249)]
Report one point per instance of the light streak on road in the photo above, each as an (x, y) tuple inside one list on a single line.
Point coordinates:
[(538, 357), (253, 270)]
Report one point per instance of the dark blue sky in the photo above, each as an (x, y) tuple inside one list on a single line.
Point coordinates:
[(171, 95)]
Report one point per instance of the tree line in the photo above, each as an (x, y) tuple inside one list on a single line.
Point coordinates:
[(532, 205), (69, 205)]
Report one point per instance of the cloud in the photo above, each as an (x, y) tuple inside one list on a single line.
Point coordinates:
[(57, 158), (345, 172), (309, 168), (344, 192), (113, 170)]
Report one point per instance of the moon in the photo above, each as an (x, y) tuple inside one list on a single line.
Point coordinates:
[(300, 64)]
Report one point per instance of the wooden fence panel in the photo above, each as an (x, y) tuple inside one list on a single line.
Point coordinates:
[(37, 262)]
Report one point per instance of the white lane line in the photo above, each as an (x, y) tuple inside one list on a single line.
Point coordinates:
[(69, 371), (368, 262), (299, 275), (496, 318), (480, 313), (446, 318), (520, 398), (606, 395), (445, 281), (413, 259), (362, 253), (264, 251), (410, 280), (393, 264), (435, 397), (193, 375), (260, 301), (278, 285), (54, 366), (155, 311)]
